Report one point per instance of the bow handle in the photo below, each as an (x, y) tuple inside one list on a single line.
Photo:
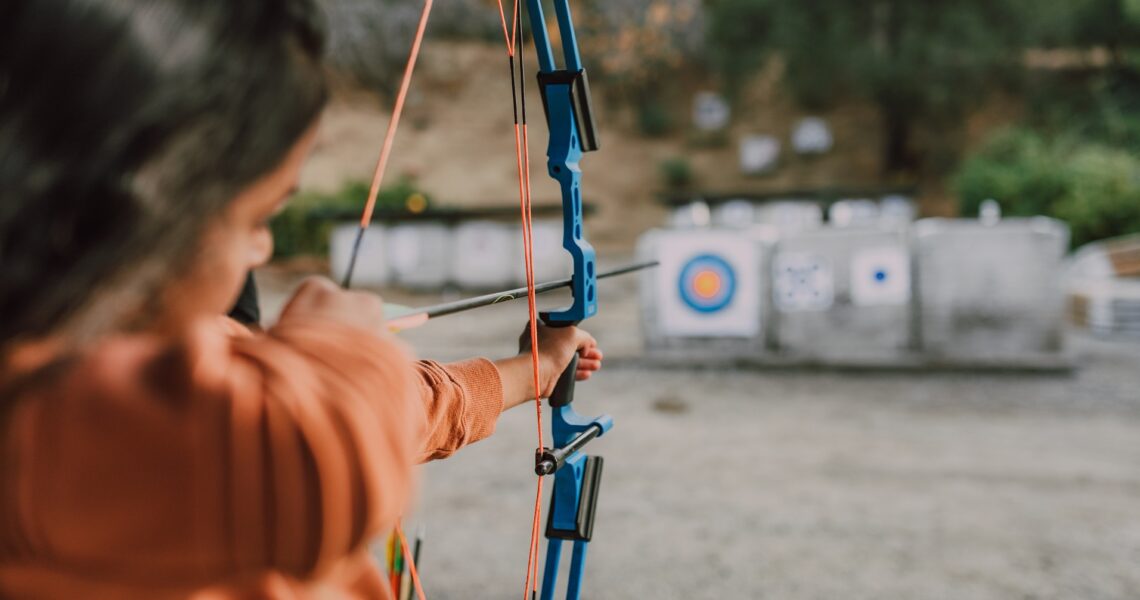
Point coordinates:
[(563, 393)]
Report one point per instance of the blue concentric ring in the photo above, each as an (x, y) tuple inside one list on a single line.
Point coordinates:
[(701, 264)]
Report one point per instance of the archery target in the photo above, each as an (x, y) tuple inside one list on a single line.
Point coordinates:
[(803, 281), (880, 277), (707, 285)]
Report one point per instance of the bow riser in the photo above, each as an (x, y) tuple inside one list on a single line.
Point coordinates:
[(569, 116), (563, 157)]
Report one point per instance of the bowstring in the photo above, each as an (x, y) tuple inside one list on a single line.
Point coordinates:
[(389, 138), (369, 208), (515, 50), (522, 155)]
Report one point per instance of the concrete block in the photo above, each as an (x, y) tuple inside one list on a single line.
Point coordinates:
[(843, 296), (990, 292), (372, 269), (478, 251), (785, 216), (551, 261), (419, 255)]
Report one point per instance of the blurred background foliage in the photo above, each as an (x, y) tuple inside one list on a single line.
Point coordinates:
[(1072, 65), (303, 227), (1095, 187), (927, 61)]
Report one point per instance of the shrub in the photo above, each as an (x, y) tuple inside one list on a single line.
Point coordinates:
[(296, 232), (677, 173), (303, 227), (1094, 187), (653, 119), (1019, 169), (1104, 196)]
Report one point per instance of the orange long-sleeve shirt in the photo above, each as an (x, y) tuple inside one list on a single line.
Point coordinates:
[(222, 466)]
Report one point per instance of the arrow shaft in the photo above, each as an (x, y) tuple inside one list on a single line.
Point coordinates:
[(449, 308)]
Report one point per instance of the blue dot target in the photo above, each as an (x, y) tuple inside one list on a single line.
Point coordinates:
[(707, 283)]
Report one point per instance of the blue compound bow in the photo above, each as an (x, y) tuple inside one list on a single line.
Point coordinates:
[(577, 476), (566, 103)]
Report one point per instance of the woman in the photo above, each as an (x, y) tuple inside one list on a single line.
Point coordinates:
[(150, 447)]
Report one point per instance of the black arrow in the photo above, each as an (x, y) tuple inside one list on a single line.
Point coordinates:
[(418, 316)]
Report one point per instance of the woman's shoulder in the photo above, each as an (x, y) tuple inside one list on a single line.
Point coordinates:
[(211, 359)]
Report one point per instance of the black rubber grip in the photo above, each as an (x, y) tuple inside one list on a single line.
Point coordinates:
[(563, 393)]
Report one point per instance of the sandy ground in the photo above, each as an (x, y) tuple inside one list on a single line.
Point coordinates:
[(806, 484)]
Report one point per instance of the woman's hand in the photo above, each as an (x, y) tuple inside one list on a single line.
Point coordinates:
[(556, 346), (318, 297)]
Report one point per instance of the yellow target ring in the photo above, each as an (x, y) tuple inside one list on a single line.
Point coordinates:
[(707, 284)]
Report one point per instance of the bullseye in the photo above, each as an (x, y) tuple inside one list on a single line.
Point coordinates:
[(707, 283)]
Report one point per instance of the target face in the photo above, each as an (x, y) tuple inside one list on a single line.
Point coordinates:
[(707, 283), (880, 276), (803, 282)]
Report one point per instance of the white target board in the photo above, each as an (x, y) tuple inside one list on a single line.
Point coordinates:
[(371, 268), (880, 276), (551, 260), (419, 254), (803, 281), (708, 284), (477, 253)]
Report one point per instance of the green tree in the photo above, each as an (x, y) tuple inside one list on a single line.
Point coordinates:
[(917, 61), (1112, 24)]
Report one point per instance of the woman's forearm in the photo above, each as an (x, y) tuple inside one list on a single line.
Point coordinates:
[(517, 374)]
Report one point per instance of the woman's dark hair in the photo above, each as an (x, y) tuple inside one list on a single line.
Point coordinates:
[(125, 127)]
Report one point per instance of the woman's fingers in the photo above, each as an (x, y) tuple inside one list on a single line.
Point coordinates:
[(591, 353), (589, 362)]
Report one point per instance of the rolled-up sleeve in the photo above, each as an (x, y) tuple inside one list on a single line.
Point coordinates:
[(344, 417), (463, 402)]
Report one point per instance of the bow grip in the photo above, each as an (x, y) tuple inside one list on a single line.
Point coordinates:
[(563, 393)]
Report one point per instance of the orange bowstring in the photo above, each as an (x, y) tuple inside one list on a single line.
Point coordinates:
[(369, 207), (397, 111), (528, 251), (509, 36), (522, 159), (523, 162)]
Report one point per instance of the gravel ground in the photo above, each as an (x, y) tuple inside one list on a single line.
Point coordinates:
[(805, 484)]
